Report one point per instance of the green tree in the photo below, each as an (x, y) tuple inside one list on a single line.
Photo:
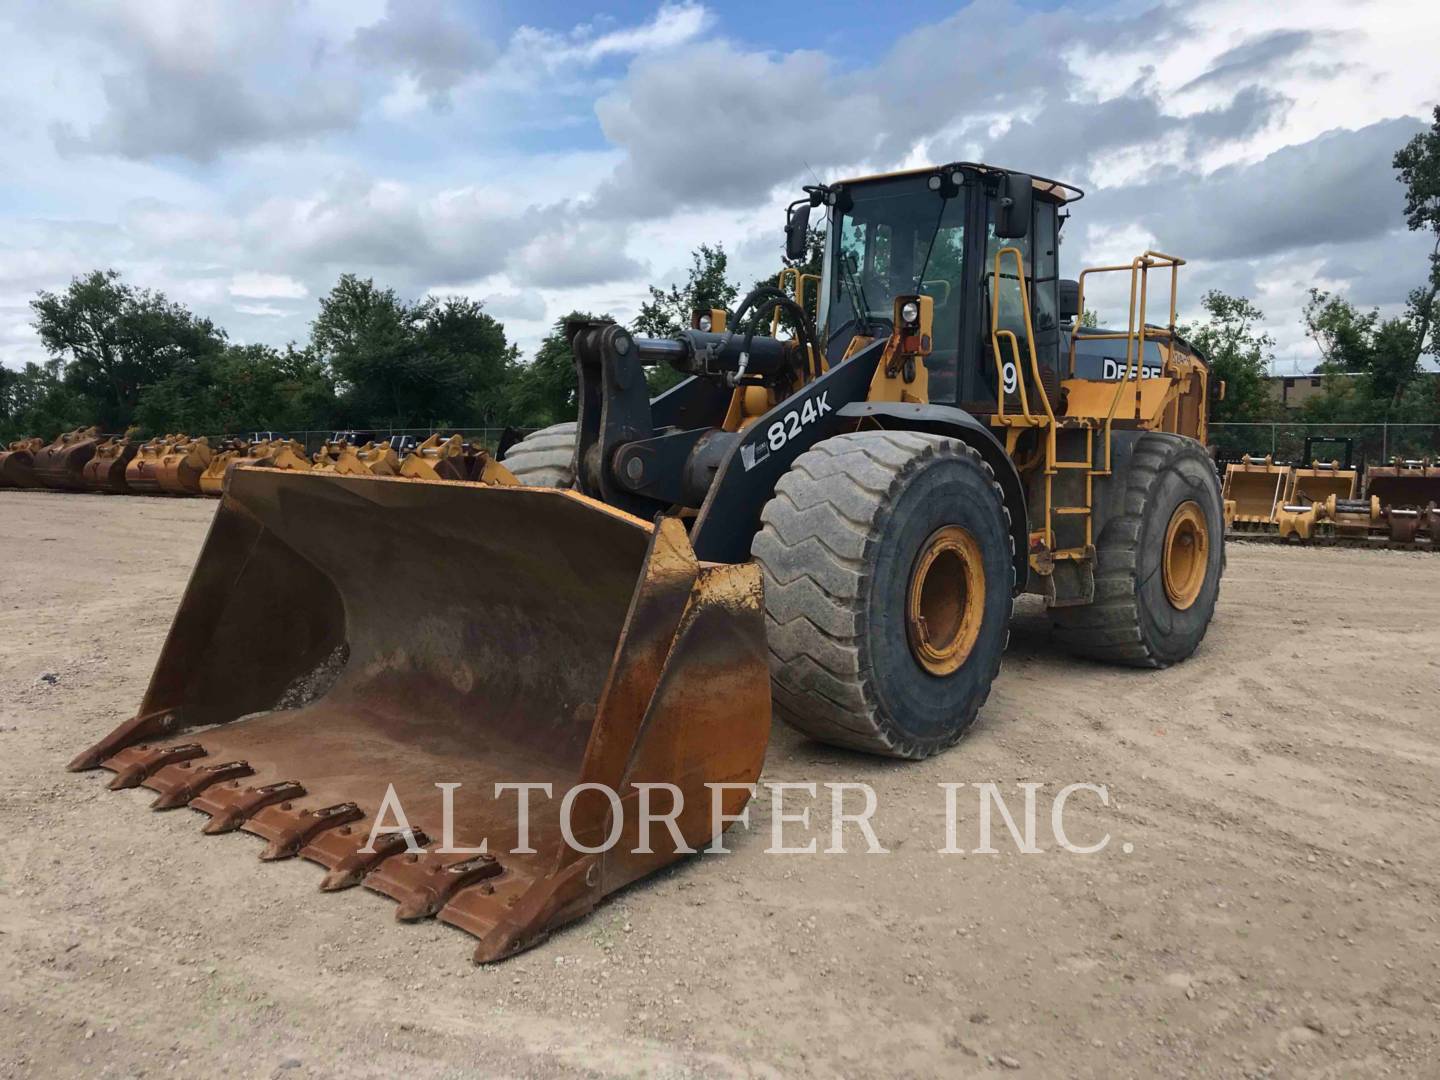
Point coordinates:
[(116, 340), (1371, 364), (544, 390), (243, 388), (469, 348), (1239, 354), (812, 264), (668, 311), (35, 401), (442, 361), (1418, 165)]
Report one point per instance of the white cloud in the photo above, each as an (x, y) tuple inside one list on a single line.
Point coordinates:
[(241, 158), (255, 286)]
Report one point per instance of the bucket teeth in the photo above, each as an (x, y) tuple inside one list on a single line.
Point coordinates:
[(136, 764), (350, 868), (231, 806), (576, 647), (304, 826), (179, 783), (424, 883)]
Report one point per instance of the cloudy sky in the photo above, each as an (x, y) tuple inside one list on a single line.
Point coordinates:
[(240, 156)]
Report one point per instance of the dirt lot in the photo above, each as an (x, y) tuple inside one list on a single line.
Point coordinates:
[(1276, 913)]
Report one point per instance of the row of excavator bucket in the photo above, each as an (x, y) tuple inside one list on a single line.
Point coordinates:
[(1321, 501), (85, 460)]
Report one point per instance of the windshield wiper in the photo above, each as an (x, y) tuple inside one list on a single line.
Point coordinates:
[(850, 275)]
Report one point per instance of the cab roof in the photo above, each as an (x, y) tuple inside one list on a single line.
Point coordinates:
[(1055, 190)]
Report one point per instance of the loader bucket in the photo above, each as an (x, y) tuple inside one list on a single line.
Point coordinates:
[(1411, 484), (283, 454), (106, 470), (437, 459), (1321, 480), (372, 459), (17, 464), (142, 475), (317, 678), (328, 454), (379, 459), (1257, 487), (212, 480), (182, 465), (61, 465)]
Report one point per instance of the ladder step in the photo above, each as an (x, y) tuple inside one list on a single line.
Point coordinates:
[(1071, 509), (1074, 464)]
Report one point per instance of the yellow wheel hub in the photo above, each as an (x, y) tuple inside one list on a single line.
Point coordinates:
[(946, 600), (1187, 551)]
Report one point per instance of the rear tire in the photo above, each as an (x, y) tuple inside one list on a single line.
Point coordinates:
[(866, 532), (1149, 611), (545, 458)]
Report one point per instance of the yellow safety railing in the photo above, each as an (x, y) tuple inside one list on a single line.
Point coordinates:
[(1032, 419), (1135, 332), (789, 273), (996, 333)]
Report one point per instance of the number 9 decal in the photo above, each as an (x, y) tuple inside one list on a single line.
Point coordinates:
[(1012, 377)]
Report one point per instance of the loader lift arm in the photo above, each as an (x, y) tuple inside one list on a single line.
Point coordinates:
[(632, 454)]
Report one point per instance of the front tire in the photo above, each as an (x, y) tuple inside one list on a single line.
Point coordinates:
[(545, 458), (1159, 562), (889, 585)]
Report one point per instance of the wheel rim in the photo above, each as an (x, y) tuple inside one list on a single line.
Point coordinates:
[(946, 600), (1187, 549)]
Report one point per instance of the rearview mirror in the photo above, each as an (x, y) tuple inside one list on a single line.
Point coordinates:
[(1012, 212), (1069, 299), (797, 233)]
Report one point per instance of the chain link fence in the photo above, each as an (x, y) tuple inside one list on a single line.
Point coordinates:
[(1374, 444)]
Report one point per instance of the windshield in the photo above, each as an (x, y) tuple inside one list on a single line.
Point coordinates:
[(898, 237)]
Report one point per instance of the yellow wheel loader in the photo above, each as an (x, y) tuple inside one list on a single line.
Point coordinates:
[(832, 514)]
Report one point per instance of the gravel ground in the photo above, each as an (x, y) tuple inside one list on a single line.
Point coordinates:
[(1266, 905)]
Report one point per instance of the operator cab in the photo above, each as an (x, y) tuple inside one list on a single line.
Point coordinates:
[(937, 232)]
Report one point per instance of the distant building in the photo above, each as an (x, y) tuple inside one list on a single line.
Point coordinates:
[(1292, 391)]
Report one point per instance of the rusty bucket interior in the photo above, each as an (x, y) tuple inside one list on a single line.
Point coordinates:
[(1258, 487), (1319, 481), (1405, 484), (347, 643)]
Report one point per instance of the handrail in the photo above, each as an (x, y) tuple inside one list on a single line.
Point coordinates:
[(995, 333), (800, 280), (1135, 338)]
